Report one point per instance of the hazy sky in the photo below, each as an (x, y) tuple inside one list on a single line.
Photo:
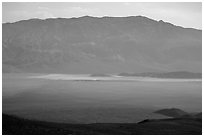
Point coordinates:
[(182, 14)]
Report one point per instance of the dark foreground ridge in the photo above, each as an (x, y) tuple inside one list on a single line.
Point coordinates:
[(12, 125)]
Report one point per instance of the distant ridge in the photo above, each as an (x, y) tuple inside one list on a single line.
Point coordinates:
[(100, 45), (95, 17), (177, 74)]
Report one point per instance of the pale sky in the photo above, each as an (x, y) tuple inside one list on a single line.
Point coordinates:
[(186, 14)]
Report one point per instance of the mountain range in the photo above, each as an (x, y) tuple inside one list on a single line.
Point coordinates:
[(100, 45)]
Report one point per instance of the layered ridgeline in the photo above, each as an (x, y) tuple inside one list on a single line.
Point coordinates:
[(100, 45)]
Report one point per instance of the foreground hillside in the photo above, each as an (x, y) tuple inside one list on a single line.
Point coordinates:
[(100, 45), (17, 126)]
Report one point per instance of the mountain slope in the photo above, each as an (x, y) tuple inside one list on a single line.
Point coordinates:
[(12, 125), (100, 45)]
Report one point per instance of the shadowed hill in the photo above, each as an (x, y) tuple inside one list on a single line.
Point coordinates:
[(172, 112), (178, 113)]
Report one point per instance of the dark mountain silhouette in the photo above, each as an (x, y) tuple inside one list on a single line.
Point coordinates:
[(12, 125), (100, 45)]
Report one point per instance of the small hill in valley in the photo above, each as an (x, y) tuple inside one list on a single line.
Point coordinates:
[(172, 112)]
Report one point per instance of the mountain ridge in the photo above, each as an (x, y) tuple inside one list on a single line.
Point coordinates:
[(102, 17), (100, 45)]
